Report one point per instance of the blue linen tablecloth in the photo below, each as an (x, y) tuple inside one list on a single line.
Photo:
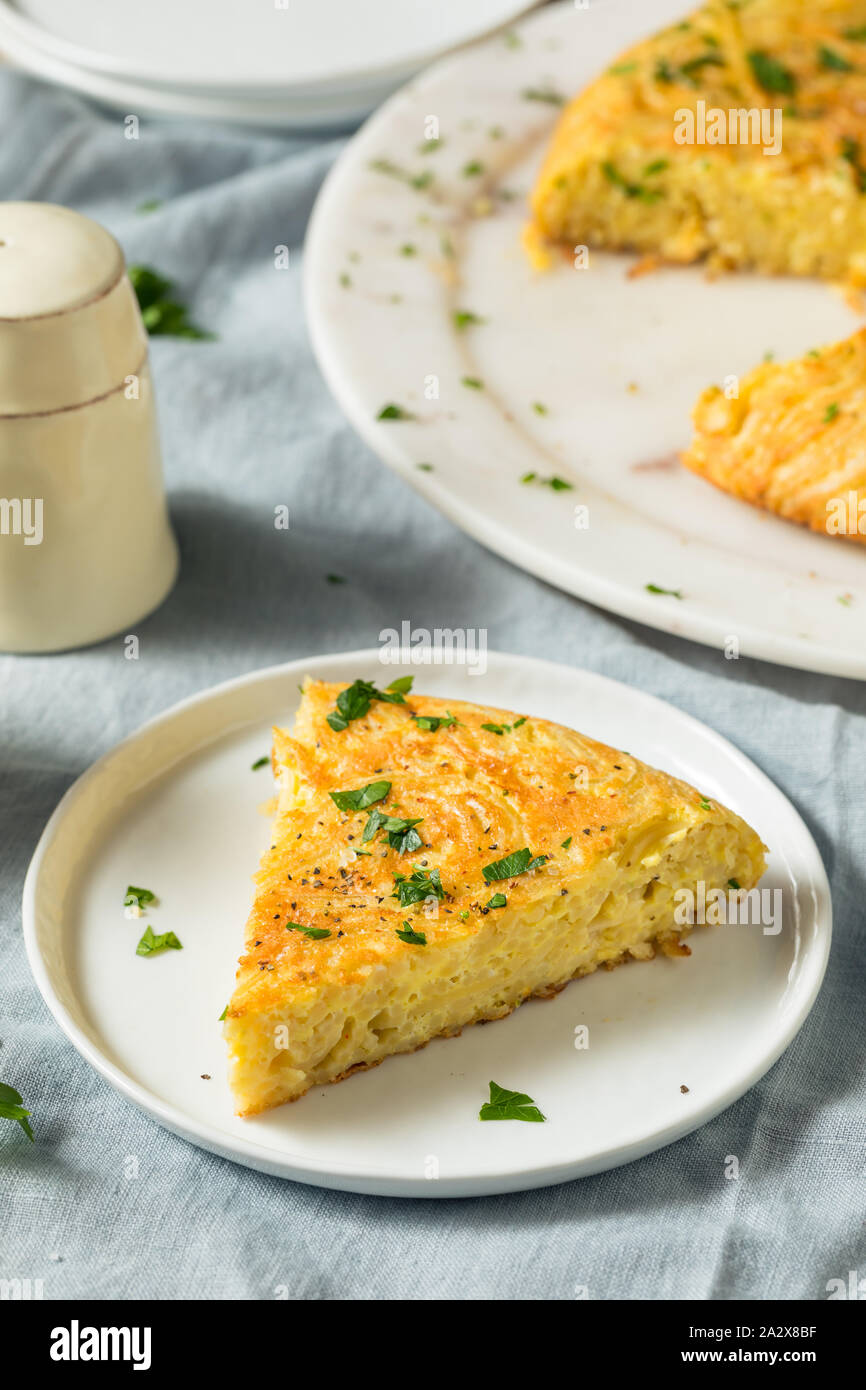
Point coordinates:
[(247, 422)]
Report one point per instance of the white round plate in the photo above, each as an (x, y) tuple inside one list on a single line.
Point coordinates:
[(587, 374), (278, 45), (176, 808), (295, 111)]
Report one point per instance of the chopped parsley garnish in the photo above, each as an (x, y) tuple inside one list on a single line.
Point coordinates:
[(732, 883), (223, 1014), (510, 1105), (425, 467), (420, 885), (149, 205), (770, 74), (498, 900), (631, 190), (692, 69), (657, 589), (408, 249), (428, 146), (354, 702), (386, 166), (139, 897), (656, 166), (472, 169), (362, 797), (565, 844), (335, 578), (545, 94), (394, 412), (464, 318), (260, 762), (473, 382), (504, 728), (431, 722), (620, 69), (831, 412), (315, 933), (833, 61), (402, 835), (664, 73), (159, 313), (705, 805), (410, 936), (850, 151), (556, 484), (150, 944), (12, 1108), (858, 35), (520, 862), (539, 407)]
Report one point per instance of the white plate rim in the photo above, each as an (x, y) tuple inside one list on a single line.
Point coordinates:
[(602, 589), (331, 1174), (66, 51), (319, 111)]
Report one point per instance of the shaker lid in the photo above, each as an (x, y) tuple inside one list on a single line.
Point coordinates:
[(52, 260), (70, 328)]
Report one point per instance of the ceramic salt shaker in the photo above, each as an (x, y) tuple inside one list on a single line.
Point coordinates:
[(86, 549)]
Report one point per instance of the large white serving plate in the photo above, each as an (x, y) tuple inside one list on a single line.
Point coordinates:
[(616, 362), (176, 808)]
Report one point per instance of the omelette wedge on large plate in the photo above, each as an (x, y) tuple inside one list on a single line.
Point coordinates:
[(738, 134), (434, 864), (792, 440)]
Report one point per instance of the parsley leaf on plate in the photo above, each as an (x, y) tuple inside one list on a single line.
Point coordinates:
[(464, 318), (138, 897), (510, 1105), (150, 943)]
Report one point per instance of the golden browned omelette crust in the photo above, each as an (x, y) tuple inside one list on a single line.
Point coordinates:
[(608, 840), (793, 440), (627, 169)]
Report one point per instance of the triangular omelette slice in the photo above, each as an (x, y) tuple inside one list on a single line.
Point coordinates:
[(738, 134), (433, 864), (793, 439)]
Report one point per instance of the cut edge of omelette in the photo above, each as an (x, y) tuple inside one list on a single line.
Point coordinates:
[(792, 439), (324, 1008), (625, 170)]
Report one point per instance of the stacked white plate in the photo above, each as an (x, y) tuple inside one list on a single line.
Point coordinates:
[(290, 63)]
